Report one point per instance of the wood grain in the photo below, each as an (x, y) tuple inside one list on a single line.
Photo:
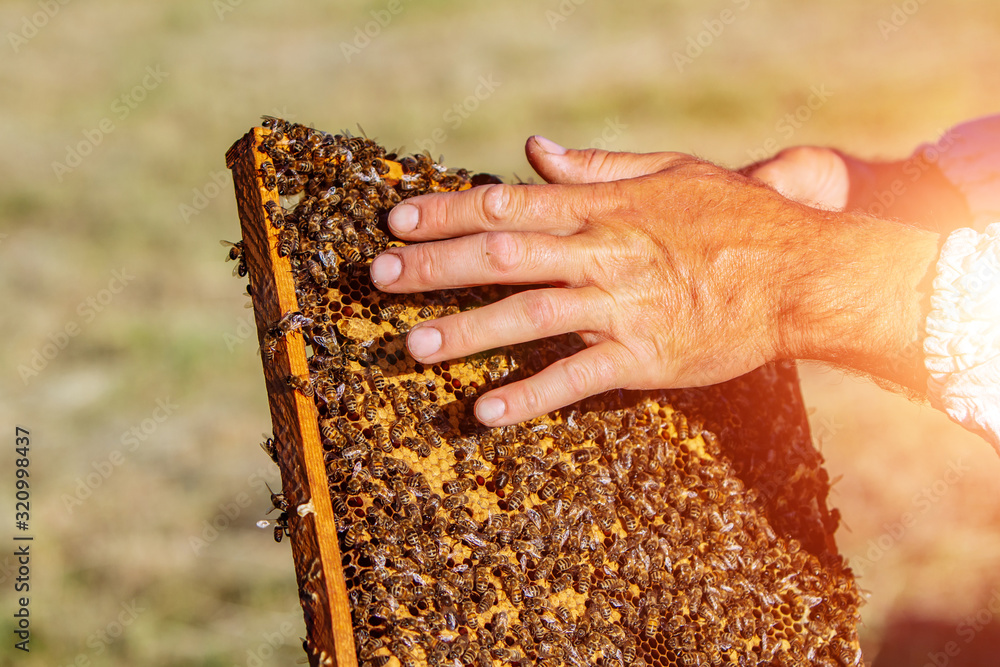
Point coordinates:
[(315, 550)]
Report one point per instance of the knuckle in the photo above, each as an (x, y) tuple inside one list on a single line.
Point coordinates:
[(597, 162), (503, 251), (530, 399), (421, 263), (459, 331), (578, 377), (499, 201), (584, 377), (542, 310)]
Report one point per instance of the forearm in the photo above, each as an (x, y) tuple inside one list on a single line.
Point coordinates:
[(859, 296), (912, 190)]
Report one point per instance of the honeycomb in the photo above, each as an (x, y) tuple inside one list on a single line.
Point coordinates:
[(642, 529)]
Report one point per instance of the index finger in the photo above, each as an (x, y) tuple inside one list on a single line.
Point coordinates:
[(560, 210)]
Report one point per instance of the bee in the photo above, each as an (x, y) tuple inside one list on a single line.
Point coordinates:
[(513, 589), (397, 431), (349, 252), (303, 385), (515, 501), (278, 500), (396, 398), (681, 424), (455, 501), (370, 408), (288, 240), (281, 527), (378, 380), (277, 126), (382, 438), (316, 271), (551, 488), (350, 402), (275, 215), (236, 253), (270, 447), (453, 486), (421, 448), (354, 450), (652, 623), (268, 174)]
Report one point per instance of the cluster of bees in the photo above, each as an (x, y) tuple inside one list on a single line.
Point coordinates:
[(613, 532)]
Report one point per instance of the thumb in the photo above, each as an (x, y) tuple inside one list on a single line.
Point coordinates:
[(564, 165)]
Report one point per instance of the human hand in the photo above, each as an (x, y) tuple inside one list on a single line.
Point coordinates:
[(811, 175), (671, 270)]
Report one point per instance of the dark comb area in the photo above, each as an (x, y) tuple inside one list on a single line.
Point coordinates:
[(671, 528)]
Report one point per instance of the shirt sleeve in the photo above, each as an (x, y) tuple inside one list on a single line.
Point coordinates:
[(962, 343), (969, 156)]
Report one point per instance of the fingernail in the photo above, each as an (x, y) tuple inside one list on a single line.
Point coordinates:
[(423, 341), (549, 146), (490, 409), (386, 269), (404, 218)]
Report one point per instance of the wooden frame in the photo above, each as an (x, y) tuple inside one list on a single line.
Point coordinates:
[(311, 523)]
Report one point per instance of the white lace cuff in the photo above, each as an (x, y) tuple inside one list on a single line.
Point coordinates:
[(962, 346)]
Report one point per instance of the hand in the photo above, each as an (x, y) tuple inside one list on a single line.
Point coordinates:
[(668, 267), (811, 175)]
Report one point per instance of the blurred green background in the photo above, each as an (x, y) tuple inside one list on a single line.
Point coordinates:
[(127, 350)]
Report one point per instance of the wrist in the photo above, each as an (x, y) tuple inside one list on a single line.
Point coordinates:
[(856, 295)]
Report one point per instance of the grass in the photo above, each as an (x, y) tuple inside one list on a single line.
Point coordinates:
[(174, 331)]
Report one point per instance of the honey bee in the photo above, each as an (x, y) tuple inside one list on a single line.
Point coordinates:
[(378, 380), (268, 175), (421, 448), (681, 424), (281, 527), (275, 215), (236, 253), (317, 272), (350, 402), (453, 486), (455, 501), (270, 447), (486, 601), (288, 240), (303, 385), (515, 501), (348, 252)]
